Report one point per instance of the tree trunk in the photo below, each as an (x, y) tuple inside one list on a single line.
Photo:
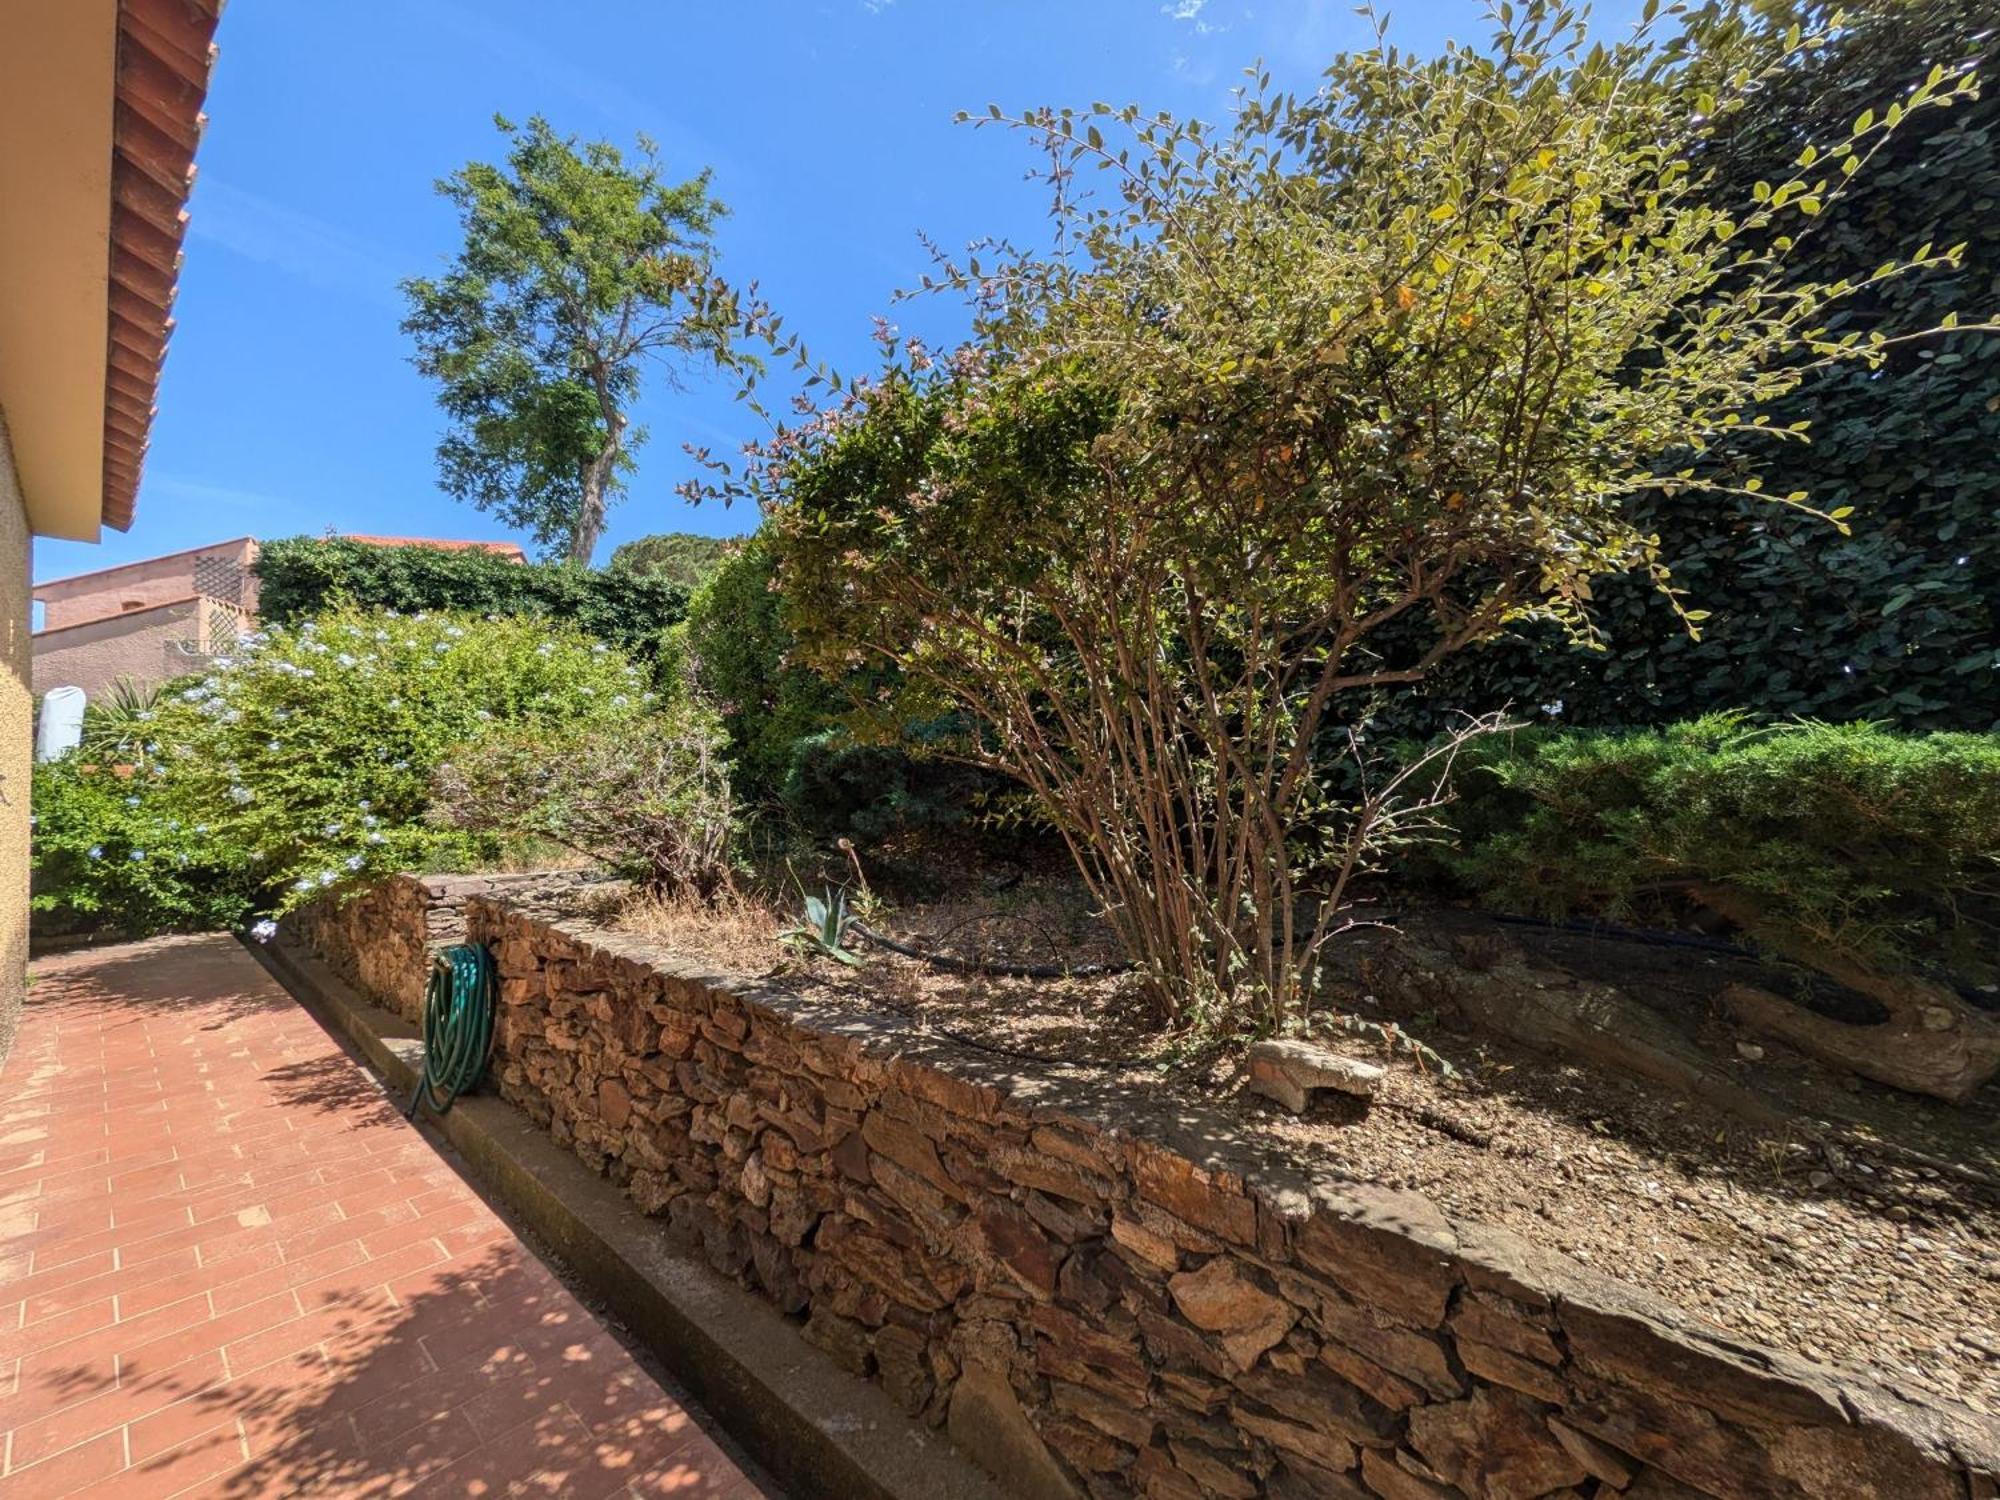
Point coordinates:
[(1932, 1042), (597, 474), (590, 509)]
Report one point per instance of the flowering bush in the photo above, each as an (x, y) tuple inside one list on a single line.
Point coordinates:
[(106, 853), (313, 750)]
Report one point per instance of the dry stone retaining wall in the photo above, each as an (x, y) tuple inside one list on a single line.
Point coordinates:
[(1100, 1294)]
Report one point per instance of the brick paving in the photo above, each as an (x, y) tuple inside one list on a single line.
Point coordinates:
[(228, 1268)]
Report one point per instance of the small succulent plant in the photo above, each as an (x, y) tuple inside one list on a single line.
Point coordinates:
[(823, 928)]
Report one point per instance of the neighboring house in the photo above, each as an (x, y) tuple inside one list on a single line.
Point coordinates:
[(100, 113), (145, 621), (150, 621)]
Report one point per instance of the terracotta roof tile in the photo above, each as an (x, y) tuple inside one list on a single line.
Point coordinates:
[(165, 51)]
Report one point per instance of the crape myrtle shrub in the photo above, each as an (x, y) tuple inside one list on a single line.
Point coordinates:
[(1898, 621), (301, 576), (1853, 837), (303, 764), (1401, 350)]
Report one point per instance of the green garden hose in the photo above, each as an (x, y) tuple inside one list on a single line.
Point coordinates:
[(458, 1026)]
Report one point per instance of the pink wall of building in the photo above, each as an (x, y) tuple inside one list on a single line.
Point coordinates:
[(222, 571), (140, 645), (147, 621)]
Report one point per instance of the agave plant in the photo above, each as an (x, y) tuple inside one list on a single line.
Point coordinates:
[(823, 928)]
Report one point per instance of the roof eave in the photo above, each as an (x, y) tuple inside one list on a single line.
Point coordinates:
[(166, 52)]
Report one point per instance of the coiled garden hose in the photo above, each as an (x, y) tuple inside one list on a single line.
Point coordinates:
[(458, 1026)]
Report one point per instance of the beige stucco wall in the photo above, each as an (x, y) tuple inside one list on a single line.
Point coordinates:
[(16, 732), (140, 645)]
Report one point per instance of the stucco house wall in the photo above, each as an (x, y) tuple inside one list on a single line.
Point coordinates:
[(221, 571), (144, 645), (16, 734)]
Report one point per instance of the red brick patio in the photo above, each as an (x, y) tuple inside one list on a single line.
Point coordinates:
[(228, 1267)]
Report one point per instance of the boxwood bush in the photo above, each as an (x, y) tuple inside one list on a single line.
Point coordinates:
[(1881, 845), (299, 577)]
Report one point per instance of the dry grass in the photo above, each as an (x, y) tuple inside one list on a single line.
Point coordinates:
[(736, 931)]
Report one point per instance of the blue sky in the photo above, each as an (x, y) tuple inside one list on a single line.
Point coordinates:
[(288, 404)]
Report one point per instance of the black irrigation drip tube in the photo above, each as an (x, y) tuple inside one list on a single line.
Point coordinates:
[(997, 969), (1003, 969)]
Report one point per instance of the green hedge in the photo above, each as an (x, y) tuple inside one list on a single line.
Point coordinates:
[(303, 576), (1851, 837), (1901, 620)]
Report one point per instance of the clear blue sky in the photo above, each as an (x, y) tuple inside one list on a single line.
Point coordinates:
[(288, 404)]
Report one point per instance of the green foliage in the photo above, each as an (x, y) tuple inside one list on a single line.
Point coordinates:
[(107, 852), (1899, 619), (301, 576), (796, 739), (1852, 837), (116, 728), (578, 268), (837, 785), (314, 749), (650, 798), (1296, 411), (739, 652), (681, 557)]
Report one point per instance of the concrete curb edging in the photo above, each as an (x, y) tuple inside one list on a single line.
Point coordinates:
[(819, 1430)]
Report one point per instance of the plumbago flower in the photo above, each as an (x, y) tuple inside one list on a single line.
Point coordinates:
[(320, 773)]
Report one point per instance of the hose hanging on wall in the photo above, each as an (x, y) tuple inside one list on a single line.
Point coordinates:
[(458, 1026)]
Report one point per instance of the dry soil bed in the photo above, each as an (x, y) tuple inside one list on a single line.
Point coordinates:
[(1854, 1255)]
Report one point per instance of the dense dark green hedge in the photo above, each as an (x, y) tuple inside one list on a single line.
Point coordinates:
[(790, 747), (302, 576), (1846, 837), (1901, 620)]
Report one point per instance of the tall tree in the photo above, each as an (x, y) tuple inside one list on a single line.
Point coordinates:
[(681, 557), (579, 270)]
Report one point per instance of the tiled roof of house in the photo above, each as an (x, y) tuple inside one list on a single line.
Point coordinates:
[(165, 51), (503, 549)]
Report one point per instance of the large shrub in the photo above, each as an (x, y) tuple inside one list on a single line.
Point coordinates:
[(1871, 856), (108, 852), (649, 799), (738, 652), (299, 577), (1899, 618), (314, 749), (1395, 356), (1882, 844), (821, 749)]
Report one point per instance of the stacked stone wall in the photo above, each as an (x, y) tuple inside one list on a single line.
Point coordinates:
[(1098, 1292)]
